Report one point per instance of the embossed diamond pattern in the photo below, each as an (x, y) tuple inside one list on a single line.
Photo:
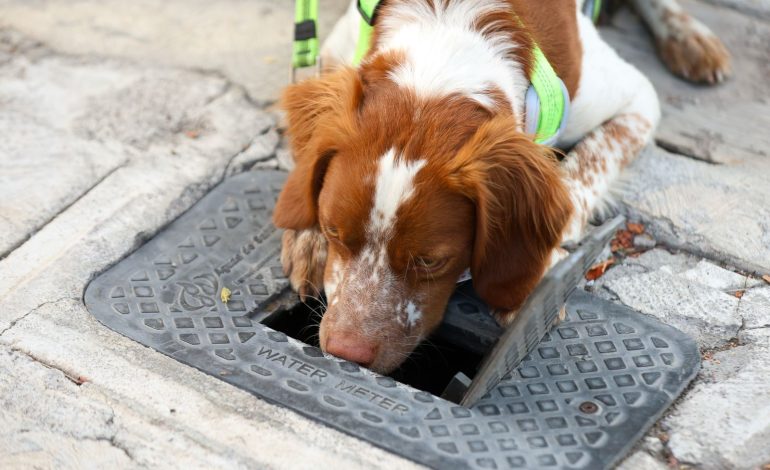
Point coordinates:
[(176, 287), (167, 296)]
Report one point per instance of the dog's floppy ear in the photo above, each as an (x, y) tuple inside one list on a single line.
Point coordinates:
[(319, 112), (522, 208)]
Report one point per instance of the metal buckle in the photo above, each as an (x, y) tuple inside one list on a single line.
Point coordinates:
[(317, 67), (369, 19)]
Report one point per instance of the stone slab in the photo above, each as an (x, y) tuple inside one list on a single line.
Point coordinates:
[(641, 460), (44, 167), (46, 422), (108, 115), (70, 122), (727, 123), (755, 308), (708, 315), (248, 42), (726, 423), (673, 262), (691, 291), (711, 275), (686, 266), (42, 171), (755, 8), (717, 211)]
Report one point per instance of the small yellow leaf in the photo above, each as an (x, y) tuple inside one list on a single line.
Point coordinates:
[(225, 295)]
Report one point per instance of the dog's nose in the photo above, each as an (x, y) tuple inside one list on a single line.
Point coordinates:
[(352, 349)]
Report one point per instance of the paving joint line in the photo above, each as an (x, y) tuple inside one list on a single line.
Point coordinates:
[(680, 151), (64, 209), (228, 85), (229, 168), (690, 248), (72, 377)]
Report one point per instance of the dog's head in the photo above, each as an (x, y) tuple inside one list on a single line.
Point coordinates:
[(410, 192)]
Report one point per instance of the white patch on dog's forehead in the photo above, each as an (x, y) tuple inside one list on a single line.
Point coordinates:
[(393, 187), (368, 286)]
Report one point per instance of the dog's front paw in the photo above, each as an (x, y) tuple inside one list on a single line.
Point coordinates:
[(303, 256), (694, 53), (504, 318)]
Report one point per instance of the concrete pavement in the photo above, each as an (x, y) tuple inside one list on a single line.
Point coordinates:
[(119, 116)]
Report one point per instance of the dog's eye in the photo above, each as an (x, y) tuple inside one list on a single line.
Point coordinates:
[(429, 264)]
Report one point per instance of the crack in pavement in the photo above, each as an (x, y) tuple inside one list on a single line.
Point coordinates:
[(738, 307), (232, 169), (33, 310), (226, 87), (112, 441), (77, 379), (691, 249), (107, 429)]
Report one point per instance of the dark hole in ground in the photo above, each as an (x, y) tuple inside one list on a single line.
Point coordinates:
[(429, 368)]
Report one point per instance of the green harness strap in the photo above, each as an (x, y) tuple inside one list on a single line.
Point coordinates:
[(368, 10), (305, 48), (552, 99)]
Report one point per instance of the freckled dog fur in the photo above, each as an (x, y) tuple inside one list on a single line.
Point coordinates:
[(413, 167)]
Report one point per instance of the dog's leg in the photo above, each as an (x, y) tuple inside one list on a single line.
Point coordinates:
[(685, 45), (596, 161), (614, 115), (303, 256)]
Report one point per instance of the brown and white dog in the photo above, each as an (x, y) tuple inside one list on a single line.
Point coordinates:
[(414, 167)]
